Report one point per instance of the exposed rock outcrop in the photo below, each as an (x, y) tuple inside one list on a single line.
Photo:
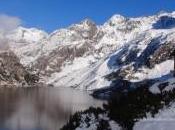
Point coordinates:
[(12, 73)]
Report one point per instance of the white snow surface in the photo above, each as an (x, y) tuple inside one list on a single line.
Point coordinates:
[(158, 71), (81, 75), (170, 80), (164, 120)]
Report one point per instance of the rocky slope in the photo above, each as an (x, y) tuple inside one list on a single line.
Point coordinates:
[(12, 73)]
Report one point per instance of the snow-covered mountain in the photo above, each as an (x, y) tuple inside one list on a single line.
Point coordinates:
[(90, 56)]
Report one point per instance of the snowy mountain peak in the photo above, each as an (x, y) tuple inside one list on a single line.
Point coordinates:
[(116, 19), (31, 35), (165, 13), (162, 12), (87, 22), (86, 29)]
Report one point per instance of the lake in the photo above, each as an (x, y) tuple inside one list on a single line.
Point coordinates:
[(41, 108)]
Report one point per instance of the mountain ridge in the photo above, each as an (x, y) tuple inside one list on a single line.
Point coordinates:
[(83, 54)]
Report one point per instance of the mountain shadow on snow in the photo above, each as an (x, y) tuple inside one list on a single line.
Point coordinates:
[(165, 22)]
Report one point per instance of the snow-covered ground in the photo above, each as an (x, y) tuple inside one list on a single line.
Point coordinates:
[(164, 120), (158, 71)]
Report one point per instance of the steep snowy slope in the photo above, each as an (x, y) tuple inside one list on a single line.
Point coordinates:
[(86, 56), (26, 43), (133, 48)]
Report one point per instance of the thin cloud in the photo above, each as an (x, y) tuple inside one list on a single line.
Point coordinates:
[(7, 24)]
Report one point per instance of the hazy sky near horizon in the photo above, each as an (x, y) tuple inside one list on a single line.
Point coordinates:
[(53, 14)]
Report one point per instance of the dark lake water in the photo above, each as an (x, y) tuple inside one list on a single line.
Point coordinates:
[(41, 108)]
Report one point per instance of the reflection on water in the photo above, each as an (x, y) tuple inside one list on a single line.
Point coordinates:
[(41, 108)]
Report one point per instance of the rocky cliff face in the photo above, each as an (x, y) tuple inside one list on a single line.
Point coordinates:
[(12, 73)]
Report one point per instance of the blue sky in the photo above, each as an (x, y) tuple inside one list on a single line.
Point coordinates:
[(52, 14)]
